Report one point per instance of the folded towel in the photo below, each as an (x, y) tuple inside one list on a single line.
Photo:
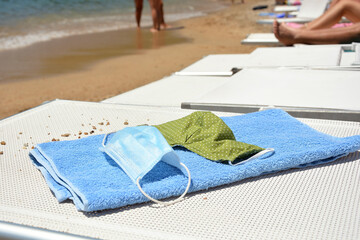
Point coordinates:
[(78, 170)]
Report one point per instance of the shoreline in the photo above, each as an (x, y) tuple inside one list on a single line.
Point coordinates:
[(78, 52), (216, 33), (22, 27)]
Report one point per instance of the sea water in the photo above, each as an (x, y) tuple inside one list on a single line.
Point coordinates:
[(25, 22)]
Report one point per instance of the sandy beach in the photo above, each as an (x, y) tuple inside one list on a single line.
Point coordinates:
[(87, 69)]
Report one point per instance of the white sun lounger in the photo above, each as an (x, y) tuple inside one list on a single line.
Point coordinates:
[(295, 57), (307, 90), (261, 39), (345, 47), (169, 92), (309, 10), (331, 57), (317, 202), (264, 39), (350, 56), (347, 59), (215, 65), (357, 55), (308, 57), (286, 8)]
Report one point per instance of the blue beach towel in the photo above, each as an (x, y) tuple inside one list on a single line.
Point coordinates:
[(78, 170)]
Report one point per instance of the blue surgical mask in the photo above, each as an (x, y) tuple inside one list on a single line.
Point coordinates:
[(138, 149)]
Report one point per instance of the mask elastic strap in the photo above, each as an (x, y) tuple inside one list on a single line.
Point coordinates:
[(259, 154), (103, 141), (171, 202)]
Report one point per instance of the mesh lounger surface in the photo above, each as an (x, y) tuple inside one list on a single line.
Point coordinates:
[(318, 203)]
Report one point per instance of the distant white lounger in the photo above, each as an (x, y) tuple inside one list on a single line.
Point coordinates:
[(309, 10), (331, 57), (350, 56), (303, 57), (261, 39), (215, 65), (286, 8), (294, 57), (357, 55), (301, 89), (286, 20), (169, 92)]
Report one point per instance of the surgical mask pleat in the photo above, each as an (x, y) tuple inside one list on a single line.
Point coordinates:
[(138, 149)]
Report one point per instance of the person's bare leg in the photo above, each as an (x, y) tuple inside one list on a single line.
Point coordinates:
[(334, 2), (155, 14), (138, 11), (348, 8), (163, 25), (290, 36)]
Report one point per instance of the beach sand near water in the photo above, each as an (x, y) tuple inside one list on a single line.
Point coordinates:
[(87, 69)]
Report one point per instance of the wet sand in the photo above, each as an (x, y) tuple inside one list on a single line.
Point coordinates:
[(94, 67), (78, 52)]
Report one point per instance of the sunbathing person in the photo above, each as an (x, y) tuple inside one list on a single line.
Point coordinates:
[(319, 31)]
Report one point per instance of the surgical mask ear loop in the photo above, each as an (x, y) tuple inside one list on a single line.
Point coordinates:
[(259, 154), (103, 141), (171, 202)]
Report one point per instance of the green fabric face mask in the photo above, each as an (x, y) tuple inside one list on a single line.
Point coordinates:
[(207, 135)]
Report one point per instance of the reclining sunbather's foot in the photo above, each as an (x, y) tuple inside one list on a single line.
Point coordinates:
[(284, 34)]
